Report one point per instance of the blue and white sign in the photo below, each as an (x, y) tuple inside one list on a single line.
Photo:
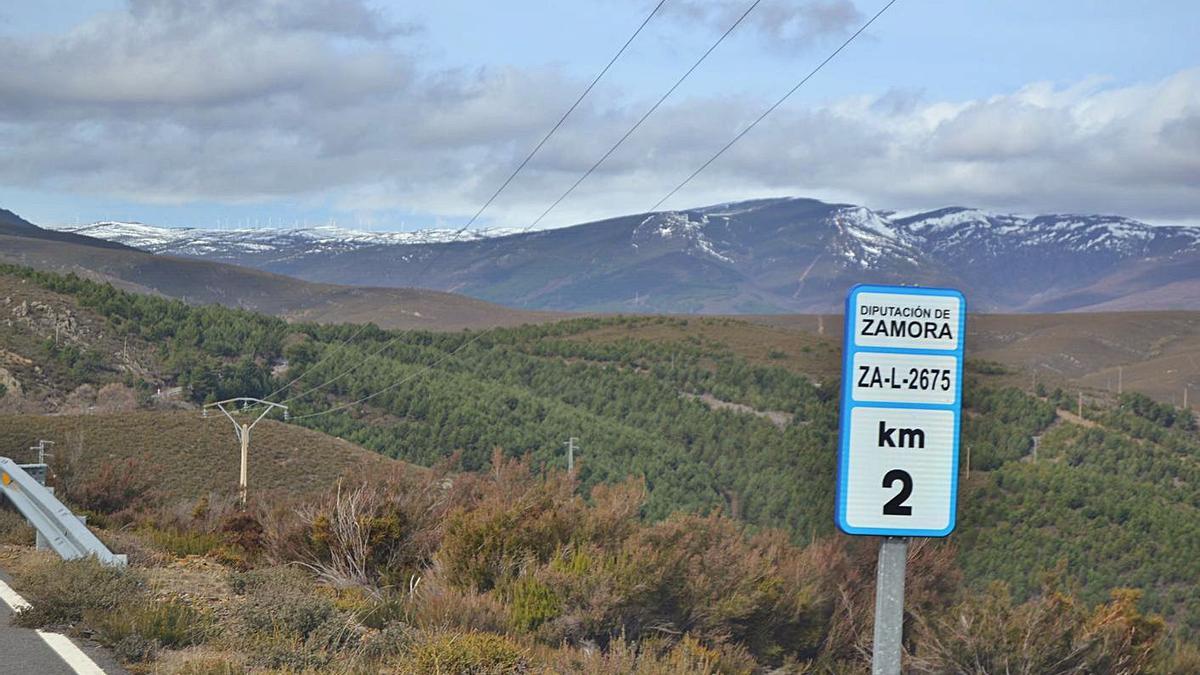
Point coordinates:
[(902, 368)]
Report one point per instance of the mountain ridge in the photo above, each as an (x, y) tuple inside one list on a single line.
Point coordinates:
[(778, 255), (200, 281)]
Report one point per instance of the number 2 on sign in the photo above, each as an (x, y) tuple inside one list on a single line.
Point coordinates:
[(896, 506)]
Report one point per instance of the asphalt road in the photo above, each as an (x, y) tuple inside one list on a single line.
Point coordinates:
[(25, 652)]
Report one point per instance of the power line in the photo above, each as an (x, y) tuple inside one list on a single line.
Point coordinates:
[(562, 119), (437, 256), (645, 116), (771, 109), (329, 353), (349, 370), (420, 371), (502, 187)]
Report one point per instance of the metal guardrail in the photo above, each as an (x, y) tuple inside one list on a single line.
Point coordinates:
[(61, 529)]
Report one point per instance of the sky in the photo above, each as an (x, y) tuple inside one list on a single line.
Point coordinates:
[(402, 115)]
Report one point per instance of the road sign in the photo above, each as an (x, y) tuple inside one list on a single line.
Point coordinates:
[(901, 411)]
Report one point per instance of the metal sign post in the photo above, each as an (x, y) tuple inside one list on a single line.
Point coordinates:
[(900, 419), (889, 607)]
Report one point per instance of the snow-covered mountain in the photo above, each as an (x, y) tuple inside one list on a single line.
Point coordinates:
[(231, 244), (769, 255)]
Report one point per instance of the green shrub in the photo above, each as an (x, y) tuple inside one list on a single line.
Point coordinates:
[(687, 656), (180, 543), (61, 591), (135, 648), (168, 622), (283, 651), (474, 653), (393, 640), (484, 546), (210, 665), (281, 601), (378, 614), (531, 603)]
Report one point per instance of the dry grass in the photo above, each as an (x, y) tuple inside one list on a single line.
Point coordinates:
[(188, 456)]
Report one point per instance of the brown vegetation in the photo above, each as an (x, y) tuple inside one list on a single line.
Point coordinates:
[(514, 572)]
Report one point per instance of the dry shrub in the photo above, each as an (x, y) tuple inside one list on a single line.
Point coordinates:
[(568, 572), (134, 546), (435, 605), (80, 401), (214, 524), (199, 661), (284, 621), (163, 622), (488, 544), (687, 656), (846, 567), (1050, 634), (116, 397), (373, 534), (118, 491), (464, 652), (60, 592), (1182, 659), (280, 600), (206, 514), (694, 575), (14, 529)]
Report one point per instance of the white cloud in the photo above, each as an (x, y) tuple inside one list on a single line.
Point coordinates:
[(785, 24), (173, 101)]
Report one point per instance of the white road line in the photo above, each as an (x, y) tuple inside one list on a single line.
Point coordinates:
[(78, 661), (73, 656), (9, 596)]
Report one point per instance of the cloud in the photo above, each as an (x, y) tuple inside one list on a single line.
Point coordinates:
[(323, 101), (785, 24)]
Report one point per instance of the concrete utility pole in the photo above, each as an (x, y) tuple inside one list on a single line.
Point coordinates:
[(571, 454), (1120, 380), (41, 450), (242, 429)]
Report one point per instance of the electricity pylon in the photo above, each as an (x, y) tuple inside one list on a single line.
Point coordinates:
[(41, 450), (571, 454), (242, 429)]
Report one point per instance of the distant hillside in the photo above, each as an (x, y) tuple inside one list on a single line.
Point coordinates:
[(189, 456), (1156, 353), (707, 414), (202, 282), (13, 225), (762, 256)]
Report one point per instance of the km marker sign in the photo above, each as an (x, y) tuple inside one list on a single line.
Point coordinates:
[(901, 411)]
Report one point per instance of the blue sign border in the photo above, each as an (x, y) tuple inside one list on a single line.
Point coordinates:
[(849, 349)]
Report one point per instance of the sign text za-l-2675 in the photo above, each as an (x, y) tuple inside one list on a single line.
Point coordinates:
[(901, 411)]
